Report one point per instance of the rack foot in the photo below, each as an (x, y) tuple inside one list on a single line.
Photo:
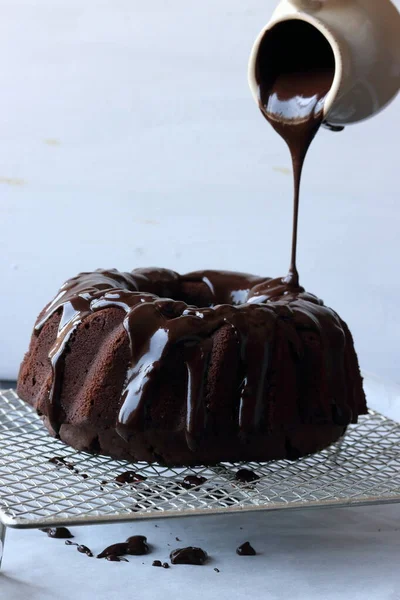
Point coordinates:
[(2, 540)]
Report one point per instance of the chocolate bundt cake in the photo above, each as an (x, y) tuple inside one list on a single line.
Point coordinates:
[(186, 369)]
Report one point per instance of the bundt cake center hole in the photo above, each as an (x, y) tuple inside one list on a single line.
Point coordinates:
[(201, 295)]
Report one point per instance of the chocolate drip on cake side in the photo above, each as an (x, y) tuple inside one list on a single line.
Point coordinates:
[(295, 70)]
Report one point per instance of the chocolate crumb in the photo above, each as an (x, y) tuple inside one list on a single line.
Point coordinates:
[(188, 556), (129, 477), (57, 532), (246, 476), (80, 547), (246, 550), (192, 481), (156, 563)]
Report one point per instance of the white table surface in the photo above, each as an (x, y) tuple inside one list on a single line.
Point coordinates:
[(335, 554), (329, 554)]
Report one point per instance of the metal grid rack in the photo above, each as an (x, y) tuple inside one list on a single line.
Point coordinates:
[(363, 468)]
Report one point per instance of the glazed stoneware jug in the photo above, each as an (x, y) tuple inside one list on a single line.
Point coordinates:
[(365, 39)]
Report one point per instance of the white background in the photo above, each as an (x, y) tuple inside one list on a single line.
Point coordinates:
[(128, 137)]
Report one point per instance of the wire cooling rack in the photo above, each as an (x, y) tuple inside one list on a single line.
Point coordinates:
[(363, 468)]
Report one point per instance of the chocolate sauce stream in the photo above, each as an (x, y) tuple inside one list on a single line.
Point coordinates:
[(295, 71)]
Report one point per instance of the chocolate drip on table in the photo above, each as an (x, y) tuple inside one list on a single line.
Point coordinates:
[(116, 558), (60, 533), (157, 325), (80, 547), (246, 549), (295, 71), (135, 545), (158, 563), (188, 556)]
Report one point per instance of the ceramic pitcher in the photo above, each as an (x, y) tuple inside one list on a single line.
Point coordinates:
[(365, 38)]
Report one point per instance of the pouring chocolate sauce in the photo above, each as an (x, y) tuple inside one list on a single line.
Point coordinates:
[(292, 91)]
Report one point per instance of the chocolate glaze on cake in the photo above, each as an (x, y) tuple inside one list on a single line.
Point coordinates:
[(120, 364)]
